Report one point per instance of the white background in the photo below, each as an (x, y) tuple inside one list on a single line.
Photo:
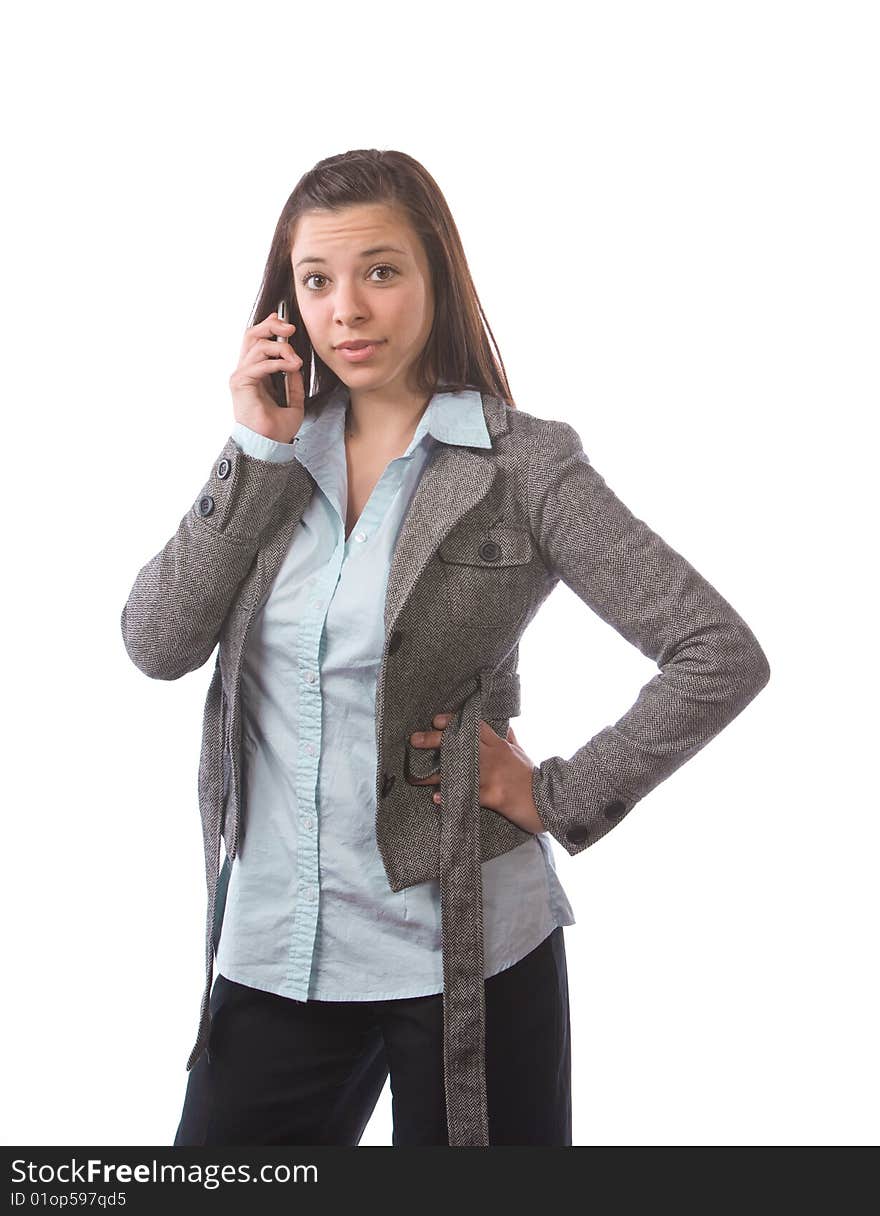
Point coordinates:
[(670, 212)]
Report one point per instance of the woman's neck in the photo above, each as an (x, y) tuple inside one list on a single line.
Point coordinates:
[(393, 426)]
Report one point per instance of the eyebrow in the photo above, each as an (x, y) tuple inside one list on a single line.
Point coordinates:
[(364, 253)]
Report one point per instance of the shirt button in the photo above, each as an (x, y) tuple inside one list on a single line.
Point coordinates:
[(310, 677), (310, 748), (308, 823), (360, 536)]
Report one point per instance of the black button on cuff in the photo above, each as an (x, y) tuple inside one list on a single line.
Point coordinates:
[(578, 835), (614, 809), (224, 468), (394, 641), (205, 505)]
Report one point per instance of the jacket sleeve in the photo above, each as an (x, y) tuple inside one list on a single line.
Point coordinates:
[(710, 663), (174, 613)]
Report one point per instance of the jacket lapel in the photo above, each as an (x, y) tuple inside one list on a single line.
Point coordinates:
[(453, 482)]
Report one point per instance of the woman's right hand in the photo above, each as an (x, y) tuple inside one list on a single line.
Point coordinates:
[(252, 401)]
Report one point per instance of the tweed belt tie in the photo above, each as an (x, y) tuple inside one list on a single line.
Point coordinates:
[(461, 911)]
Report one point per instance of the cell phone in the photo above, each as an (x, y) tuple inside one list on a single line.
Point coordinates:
[(279, 378)]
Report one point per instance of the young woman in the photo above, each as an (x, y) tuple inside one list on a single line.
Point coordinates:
[(367, 554)]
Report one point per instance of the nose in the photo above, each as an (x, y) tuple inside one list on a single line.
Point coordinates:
[(348, 308)]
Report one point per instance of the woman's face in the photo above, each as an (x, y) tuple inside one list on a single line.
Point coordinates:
[(362, 273)]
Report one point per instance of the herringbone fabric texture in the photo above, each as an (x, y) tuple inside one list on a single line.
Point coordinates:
[(487, 536)]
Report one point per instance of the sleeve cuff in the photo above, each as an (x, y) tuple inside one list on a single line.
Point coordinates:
[(242, 492), (600, 807), (252, 443)]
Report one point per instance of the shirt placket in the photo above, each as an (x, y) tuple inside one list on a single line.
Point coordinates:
[(309, 632)]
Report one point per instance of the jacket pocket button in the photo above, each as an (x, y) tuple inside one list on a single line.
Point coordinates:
[(490, 551)]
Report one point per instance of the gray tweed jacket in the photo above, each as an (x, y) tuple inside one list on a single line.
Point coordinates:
[(488, 534)]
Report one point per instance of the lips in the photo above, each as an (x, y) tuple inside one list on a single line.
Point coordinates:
[(359, 345), (358, 352)]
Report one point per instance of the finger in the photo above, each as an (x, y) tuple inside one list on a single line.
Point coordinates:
[(279, 356), (266, 367), (271, 349), (272, 325), (269, 326), (426, 738)]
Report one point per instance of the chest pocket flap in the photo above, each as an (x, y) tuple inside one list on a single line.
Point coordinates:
[(500, 545)]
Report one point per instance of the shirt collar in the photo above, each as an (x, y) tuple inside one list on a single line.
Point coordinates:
[(450, 417)]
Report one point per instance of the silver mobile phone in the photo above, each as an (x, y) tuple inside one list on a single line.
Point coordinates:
[(279, 378)]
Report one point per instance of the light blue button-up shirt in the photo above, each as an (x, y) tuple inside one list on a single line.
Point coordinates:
[(309, 913)]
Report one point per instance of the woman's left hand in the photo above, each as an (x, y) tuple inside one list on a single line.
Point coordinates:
[(505, 774)]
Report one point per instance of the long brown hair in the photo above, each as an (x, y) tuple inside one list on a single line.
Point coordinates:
[(457, 354)]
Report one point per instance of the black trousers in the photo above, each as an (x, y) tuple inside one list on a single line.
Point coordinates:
[(280, 1071)]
